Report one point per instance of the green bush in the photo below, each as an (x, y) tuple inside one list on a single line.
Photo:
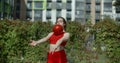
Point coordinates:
[(15, 37), (108, 35)]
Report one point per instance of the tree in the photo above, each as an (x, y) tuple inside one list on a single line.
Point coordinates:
[(5, 9), (14, 9), (117, 3)]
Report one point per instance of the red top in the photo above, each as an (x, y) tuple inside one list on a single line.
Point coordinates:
[(54, 38)]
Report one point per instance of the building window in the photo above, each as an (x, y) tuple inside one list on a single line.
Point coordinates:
[(80, 20), (118, 9), (88, 7), (97, 1), (29, 14), (97, 20), (29, 0), (118, 15), (80, 5), (80, 0), (97, 15), (107, 0), (88, 16), (49, 0), (38, 15), (79, 14), (48, 13), (59, 0), (69, 1), (68, 19), (59, 5), (68, 5), (29, 5), (97, 7), (49, 5), (38, 4), (59, 13), (68, 14), (108, 7), (88, 1)]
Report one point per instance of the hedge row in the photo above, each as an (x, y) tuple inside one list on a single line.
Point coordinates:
[(15, 37)]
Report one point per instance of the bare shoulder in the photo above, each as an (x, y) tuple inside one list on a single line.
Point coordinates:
[(67, 33), (66, 36), (50, 33)]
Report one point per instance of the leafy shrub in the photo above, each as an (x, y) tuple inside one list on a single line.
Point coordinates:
[(108, 35), (15, 37)]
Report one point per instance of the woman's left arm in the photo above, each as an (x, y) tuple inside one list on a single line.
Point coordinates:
[(64, 38)]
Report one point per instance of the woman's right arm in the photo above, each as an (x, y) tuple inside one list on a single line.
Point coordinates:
[(34, 43)]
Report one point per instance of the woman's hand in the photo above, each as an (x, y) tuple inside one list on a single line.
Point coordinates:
[(33, 43), (52, 50)]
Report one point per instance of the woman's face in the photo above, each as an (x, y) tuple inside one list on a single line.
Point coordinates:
[(60, 22)]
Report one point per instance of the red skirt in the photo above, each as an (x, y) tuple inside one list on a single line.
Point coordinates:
[(57, 57)]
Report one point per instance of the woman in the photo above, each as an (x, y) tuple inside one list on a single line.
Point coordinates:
[(56, 52)]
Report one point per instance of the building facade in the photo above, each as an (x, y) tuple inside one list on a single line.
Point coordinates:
[(71, 10), (116, 12)]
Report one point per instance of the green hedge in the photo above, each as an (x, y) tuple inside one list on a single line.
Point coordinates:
[(15, 37), (14, 40), (108, 36)]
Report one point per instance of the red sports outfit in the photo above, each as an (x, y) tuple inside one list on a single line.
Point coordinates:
[(58, 56)]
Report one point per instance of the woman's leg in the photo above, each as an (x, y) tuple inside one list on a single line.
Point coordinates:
[(59, 57), (49, 58)]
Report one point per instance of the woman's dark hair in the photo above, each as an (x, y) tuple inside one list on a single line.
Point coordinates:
[(64, 21)]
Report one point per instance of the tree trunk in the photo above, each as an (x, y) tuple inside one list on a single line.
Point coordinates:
[(14, 10)]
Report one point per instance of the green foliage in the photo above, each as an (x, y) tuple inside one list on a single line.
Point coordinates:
[(15, 37), (14, 40), (117, 3), (75, 44), (108, 35)]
